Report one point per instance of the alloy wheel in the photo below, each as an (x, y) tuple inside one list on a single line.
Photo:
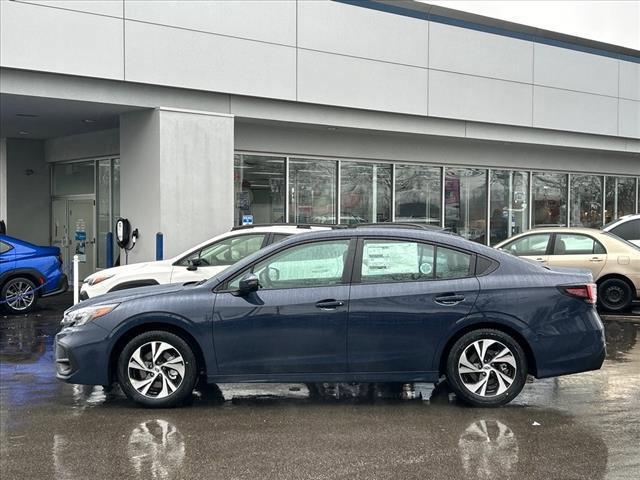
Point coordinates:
[(156, 369), (20, 295), (487, 368)]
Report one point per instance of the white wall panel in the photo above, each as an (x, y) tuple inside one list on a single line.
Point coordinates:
[(574, 111), (54, 40), (455, 95), (629, 118), (354, 82), (584, 72), (265, 20), (629, 80), (111, 8), (184, 58), (463, 50), (362, 32)]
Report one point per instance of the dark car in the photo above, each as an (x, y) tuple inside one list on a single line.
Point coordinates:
[(348, 305), (28, 272)]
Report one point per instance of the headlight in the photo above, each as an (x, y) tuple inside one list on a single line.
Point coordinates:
[(94, 280), (87, 314)]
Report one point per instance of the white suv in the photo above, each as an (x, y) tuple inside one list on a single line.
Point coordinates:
[(627, 228), (198, 263)]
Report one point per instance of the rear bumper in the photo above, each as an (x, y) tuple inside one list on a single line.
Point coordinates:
[(577, 351), (61, 287)]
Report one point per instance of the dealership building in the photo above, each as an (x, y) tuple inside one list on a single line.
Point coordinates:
[(190, 117)]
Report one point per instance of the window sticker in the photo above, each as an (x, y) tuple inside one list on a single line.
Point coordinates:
[(390, 259)]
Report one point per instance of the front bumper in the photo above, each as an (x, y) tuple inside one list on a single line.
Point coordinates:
[(61, 287), (82, 355)]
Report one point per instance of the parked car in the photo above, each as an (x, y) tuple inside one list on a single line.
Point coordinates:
[(627, 228), (344, 305), (28, 272), (198, 263), (614, 262)]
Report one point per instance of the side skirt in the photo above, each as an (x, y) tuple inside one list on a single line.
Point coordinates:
[(347, 377)]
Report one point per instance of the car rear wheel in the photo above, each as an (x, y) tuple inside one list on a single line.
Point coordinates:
[(157, 369), (19, 295), (486, 368), (615, 295)]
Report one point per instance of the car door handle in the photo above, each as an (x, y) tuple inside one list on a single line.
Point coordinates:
[(449, 299), (329, 304), (596, 259)]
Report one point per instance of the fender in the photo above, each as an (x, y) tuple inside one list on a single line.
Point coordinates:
[(32, 272), (483, 318), (201, 334)]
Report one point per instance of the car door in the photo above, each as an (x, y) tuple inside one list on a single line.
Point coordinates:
[(576, 250), (403, 295), (532, 246), (297, 321), (211, 259), (7, 257)]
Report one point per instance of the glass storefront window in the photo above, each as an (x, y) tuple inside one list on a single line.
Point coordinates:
[(73, 178), (465, 200), (586, 201), (509, 204), (365, 193), (620, 197), (549, 199), (103, 203), (418, 194), (312, 191), (259, 187)]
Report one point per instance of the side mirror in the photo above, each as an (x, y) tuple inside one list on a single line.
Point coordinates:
[(194, 264), (249, 283)]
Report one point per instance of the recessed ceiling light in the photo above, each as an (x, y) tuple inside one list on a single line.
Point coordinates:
[(23, 132), (89, 120), (27, 115)]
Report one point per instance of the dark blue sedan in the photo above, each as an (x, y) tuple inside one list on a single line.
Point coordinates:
[(349, 305), (28, 272)]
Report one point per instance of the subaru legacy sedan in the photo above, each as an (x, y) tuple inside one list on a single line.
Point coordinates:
[(357, 305)]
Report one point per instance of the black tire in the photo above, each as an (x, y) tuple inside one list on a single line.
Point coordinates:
[(487, 369), (186, 382), (26, 303), (615, 295)]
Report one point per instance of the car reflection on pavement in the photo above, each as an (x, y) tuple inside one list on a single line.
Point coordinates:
[(580, 426)]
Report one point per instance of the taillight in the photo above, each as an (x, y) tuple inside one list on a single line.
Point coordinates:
[(588, 292)]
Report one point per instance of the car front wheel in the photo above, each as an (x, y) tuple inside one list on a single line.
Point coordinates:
[(486, 368), (157, 369), (615, 295), (19, 295)]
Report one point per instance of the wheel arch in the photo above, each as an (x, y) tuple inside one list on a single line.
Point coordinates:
[(149, 324), (618, 276), (34, 275), (509, 330)]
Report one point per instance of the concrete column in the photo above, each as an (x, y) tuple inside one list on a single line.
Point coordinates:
[(176, 177), (3, 179)]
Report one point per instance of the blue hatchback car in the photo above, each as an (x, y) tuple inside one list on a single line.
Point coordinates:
[(28, 272), (366, 305)]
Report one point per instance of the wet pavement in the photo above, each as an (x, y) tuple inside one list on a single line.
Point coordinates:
[(584, 426)]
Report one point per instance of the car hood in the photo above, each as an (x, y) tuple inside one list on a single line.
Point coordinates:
[(132, 294), (125, 269)]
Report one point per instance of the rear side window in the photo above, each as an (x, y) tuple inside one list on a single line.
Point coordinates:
[(4, 247), (535, 244), (396, 261), (399, 261), (574, 244), (629, 230)]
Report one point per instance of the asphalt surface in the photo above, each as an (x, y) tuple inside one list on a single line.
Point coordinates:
[(584, 426)]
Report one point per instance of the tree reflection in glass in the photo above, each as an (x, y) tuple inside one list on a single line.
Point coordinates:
[(365, 193)]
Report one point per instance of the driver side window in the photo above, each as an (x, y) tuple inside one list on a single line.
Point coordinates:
[(226, 251), (317, 264)]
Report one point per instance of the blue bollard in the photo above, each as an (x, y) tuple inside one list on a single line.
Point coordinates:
[(109, 250), (159, 245)]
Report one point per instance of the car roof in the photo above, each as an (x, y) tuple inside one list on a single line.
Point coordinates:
[(620, 221)]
